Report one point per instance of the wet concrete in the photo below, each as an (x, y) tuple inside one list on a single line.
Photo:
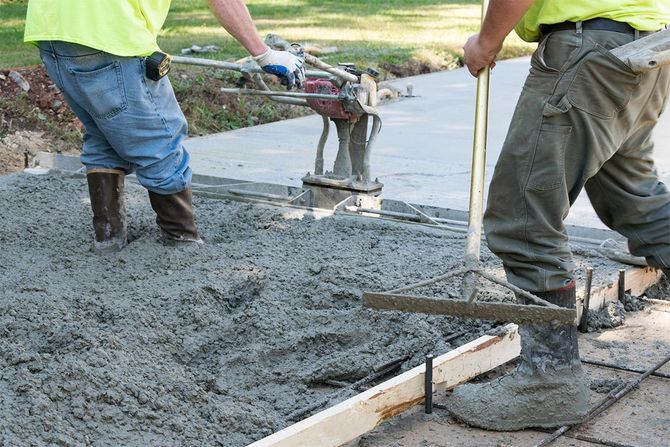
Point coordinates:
[(213, 345)]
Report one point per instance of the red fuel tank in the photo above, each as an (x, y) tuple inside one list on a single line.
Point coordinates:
[(332, 109)]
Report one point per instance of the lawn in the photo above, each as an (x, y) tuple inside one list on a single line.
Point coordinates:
[(368, 32)]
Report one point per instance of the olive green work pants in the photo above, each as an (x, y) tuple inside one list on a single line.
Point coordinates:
[(583, 119)]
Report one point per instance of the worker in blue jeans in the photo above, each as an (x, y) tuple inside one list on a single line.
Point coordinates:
[(103, 56)]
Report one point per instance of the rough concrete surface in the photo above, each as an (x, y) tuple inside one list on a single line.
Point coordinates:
[(214, 345), (661, 290)]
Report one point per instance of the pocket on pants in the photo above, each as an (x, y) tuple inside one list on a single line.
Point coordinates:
[(556, 52), (603, 84), (548, 164), (103, 90)]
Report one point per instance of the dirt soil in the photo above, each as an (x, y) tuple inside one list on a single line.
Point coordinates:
[(417, 66), (34, 120), (46, 98), (661, 290)]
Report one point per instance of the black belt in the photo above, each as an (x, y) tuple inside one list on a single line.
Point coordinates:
[(593, 24)]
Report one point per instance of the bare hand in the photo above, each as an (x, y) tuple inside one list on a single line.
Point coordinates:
[(479, 54)]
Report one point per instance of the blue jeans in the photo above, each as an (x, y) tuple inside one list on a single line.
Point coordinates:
[(131, 123)]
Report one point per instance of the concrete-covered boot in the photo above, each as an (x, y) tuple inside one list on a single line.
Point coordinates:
[(174, 216), (548, 389), (105, 187)]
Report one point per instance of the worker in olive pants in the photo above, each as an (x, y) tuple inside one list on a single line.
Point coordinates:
[(584, 120)]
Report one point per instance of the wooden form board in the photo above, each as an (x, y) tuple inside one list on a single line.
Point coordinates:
[(637, 281), (363, 412)]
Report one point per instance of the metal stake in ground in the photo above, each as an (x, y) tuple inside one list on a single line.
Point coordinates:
[(428, 384), (584, 322), (622, 285)]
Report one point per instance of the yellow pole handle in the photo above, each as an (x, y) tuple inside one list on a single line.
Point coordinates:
[(473, 245)]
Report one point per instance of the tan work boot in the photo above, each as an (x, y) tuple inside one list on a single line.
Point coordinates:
[(548, 389), (105, 187), (174, 216)]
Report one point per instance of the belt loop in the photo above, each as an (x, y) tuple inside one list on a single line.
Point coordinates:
[(637, 34), (578, 27)]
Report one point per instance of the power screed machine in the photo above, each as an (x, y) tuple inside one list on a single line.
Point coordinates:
[(344, 95)]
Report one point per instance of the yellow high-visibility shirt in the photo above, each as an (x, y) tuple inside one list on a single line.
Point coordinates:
[(120, 27), (644, 15)]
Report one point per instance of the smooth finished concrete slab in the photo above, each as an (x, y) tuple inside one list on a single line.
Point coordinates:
[(423, 153)]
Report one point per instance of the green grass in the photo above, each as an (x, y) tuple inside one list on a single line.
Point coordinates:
[(368, 32), (13, 52)]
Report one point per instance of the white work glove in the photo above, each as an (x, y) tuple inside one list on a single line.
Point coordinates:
[(287, 66)]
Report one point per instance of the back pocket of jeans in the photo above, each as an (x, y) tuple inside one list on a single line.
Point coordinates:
[(603, 84), (102, 89)]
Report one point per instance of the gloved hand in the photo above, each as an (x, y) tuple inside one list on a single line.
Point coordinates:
[(288, 67)]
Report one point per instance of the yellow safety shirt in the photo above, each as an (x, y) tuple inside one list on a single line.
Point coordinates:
[(644, 15), (120, 27)]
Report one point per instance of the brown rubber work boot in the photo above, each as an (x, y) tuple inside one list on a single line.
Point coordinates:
[(174, 216), (105, 188), (548, 389)]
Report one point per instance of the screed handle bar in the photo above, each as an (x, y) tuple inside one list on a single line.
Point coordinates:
[(473, 244), (321, 65), (239, 67), (273, 93)]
